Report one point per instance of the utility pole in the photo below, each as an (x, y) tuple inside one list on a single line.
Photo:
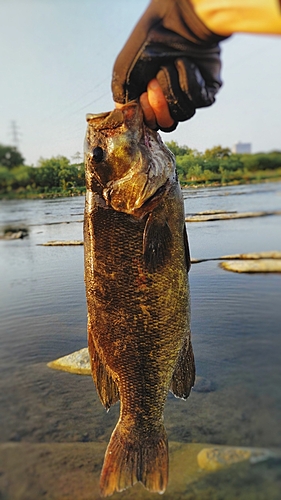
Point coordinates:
[(15, 133)]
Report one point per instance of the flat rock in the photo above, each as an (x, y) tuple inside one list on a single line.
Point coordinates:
[(216, 457), (214, 212), (227, 215), (57, 243), (270, 254), (77, 362), (253, 266)]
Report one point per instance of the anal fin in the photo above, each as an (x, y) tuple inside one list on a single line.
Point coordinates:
[(106, 387), (183, 378)]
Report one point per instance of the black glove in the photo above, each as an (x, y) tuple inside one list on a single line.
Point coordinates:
[(172, 44)]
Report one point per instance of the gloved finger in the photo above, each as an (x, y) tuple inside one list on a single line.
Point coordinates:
[(179, 100), (185, 88), (209, 66)]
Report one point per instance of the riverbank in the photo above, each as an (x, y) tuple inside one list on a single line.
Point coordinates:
[(234, 179), (26, 194), (201, 182)]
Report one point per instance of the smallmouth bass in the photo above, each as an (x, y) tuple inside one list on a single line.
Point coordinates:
[(136, 274)]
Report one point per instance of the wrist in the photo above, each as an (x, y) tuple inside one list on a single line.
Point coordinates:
[(225, 17), (181, 18)]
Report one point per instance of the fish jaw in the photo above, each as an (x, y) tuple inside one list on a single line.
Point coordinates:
[(135, 162)]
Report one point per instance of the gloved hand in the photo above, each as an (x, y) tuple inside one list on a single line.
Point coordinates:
[(172, 44)]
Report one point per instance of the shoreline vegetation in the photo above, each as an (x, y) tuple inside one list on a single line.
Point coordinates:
[(58, 177)]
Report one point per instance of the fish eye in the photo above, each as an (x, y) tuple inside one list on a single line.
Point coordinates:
[(98, 154)]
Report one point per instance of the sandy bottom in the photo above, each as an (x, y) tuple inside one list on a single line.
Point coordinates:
[(70, 471), (55, 434)]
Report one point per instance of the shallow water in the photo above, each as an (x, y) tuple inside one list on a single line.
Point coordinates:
[(235, 323)]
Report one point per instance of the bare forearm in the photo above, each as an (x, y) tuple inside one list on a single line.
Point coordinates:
[(233, 16)]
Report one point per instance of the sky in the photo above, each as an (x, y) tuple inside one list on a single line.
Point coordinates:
[(56, 64)]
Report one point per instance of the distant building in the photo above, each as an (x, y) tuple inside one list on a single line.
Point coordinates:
[(242, 147)]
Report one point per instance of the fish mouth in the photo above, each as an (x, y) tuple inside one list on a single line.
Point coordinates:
[(97, 116)]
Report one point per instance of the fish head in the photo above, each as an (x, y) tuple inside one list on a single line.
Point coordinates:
[(126, 163)]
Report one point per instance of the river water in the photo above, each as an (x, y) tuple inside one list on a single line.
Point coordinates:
[(236, 331)]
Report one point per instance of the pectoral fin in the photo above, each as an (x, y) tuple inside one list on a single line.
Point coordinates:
[(105, 385), (184, 374), (157, 242)]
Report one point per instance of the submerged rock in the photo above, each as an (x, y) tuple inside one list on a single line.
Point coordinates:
[(77, 362), (253, 266), (14, 233), (216, 457), (203, 384)]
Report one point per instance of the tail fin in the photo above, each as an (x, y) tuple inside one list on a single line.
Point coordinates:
[(128, 460)]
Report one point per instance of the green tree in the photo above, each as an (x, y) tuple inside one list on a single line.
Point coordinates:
[(47, 174), (57, 173), (231, 163), (51, 172), (262, 161), (67, 175), (23, 176), (195, 172), (211, 163), (6, 178), (217, 152), (10, 157), (176, 149)]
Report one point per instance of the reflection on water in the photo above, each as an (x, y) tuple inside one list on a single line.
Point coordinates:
[(235, 323)]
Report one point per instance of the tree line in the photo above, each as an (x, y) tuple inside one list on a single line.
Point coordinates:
[(219, 165), (58, 176)]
